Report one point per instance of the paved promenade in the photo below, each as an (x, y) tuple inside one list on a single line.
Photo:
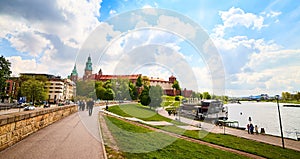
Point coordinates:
[(74, 137), (291, 144)]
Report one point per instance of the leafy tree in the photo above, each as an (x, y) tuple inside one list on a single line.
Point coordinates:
[(33, 90), (139, 82), (176, 85), (155, 94), (144, 97), (100, 91), (199, 95), (121, 88), (133, 91), (4, 73), (109, 94), (206, 95), (86, 89)]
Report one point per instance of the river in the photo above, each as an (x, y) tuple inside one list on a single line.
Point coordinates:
[(265, 115)]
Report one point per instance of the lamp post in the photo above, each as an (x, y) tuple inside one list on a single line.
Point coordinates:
[(280, 124)]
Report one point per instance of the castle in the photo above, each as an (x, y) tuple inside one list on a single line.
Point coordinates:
[(165, 85)]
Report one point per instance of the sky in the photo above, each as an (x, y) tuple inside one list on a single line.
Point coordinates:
[(239, 47)]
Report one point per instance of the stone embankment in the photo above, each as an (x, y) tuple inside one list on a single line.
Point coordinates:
[(16, 126)]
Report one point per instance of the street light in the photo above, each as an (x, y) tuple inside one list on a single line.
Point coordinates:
[(277, 98)]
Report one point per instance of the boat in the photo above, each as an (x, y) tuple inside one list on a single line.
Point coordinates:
[(205, 110)]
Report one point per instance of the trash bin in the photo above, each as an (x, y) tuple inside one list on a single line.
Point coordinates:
[(262, 130)]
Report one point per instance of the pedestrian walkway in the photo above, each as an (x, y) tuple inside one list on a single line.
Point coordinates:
[(273, 140), (74, 137)]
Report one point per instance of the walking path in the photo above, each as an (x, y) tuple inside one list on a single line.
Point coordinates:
[(273, 140), (76, 136)]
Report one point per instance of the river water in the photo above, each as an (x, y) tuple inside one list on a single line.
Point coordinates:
[(265, 115)]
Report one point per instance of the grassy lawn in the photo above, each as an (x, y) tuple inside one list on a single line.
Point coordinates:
[(138, 111), (258, 148), (234, 142), (138, 142)]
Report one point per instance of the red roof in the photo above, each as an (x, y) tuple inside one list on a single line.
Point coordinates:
[(108, 77)]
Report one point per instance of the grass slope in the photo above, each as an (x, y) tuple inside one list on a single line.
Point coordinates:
[(258, 148), (139, 142)]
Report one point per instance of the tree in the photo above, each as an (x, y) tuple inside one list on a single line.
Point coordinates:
[(86, 89), (33, 90), (133, 91), (194, 94), (155, 94), (139, 82), (100, 90), (121, 88), (4, 74), (176, 85), (109, 94), (199, 95), (144, 97), (206, 95)]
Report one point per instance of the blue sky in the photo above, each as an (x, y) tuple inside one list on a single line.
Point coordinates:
[(257, 41)]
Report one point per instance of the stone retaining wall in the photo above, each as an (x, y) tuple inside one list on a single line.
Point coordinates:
[(16, 126)]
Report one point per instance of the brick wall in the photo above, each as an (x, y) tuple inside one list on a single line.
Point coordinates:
[(16, 126)]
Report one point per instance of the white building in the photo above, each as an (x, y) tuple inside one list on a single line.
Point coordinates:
[(55, 89), (69, 89)]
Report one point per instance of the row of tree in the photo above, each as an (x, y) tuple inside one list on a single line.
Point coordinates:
[(123, 89), (286, 96)]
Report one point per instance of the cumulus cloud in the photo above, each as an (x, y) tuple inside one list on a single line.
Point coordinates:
[(19, 65), (238, 17), (176, 25), (254, 65), (57, 27)]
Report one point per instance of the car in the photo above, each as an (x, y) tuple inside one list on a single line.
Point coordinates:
[(30, 107)]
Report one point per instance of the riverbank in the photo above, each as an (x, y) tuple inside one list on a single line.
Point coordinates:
[(269, 139)]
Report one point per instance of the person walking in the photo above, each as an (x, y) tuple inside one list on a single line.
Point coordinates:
[(83, 105), (251, 128), (248, 128), (256, 129), (90, 105)]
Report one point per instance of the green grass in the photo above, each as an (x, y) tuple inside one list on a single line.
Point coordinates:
[(139, 142), (254, 147), (137, 111), (170, 103)]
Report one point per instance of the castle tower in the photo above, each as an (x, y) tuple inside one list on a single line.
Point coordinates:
[(88, 69), (172, 79), (74, 74)]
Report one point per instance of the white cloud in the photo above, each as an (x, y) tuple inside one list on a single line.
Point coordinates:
[(176, 26), (19, 65), (272, 14), (236, 16), (112, 12), (274, 59), (29, 42), (255, 66), (52, 30)]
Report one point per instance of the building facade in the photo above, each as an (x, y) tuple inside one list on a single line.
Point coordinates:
[(88, 75), (58, 89)]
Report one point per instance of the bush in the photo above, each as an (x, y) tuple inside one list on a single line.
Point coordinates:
[(177, 98)]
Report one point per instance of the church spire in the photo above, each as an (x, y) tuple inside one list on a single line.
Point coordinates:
[(88, 69), (74, 74), (74, 71), (88, 64)]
